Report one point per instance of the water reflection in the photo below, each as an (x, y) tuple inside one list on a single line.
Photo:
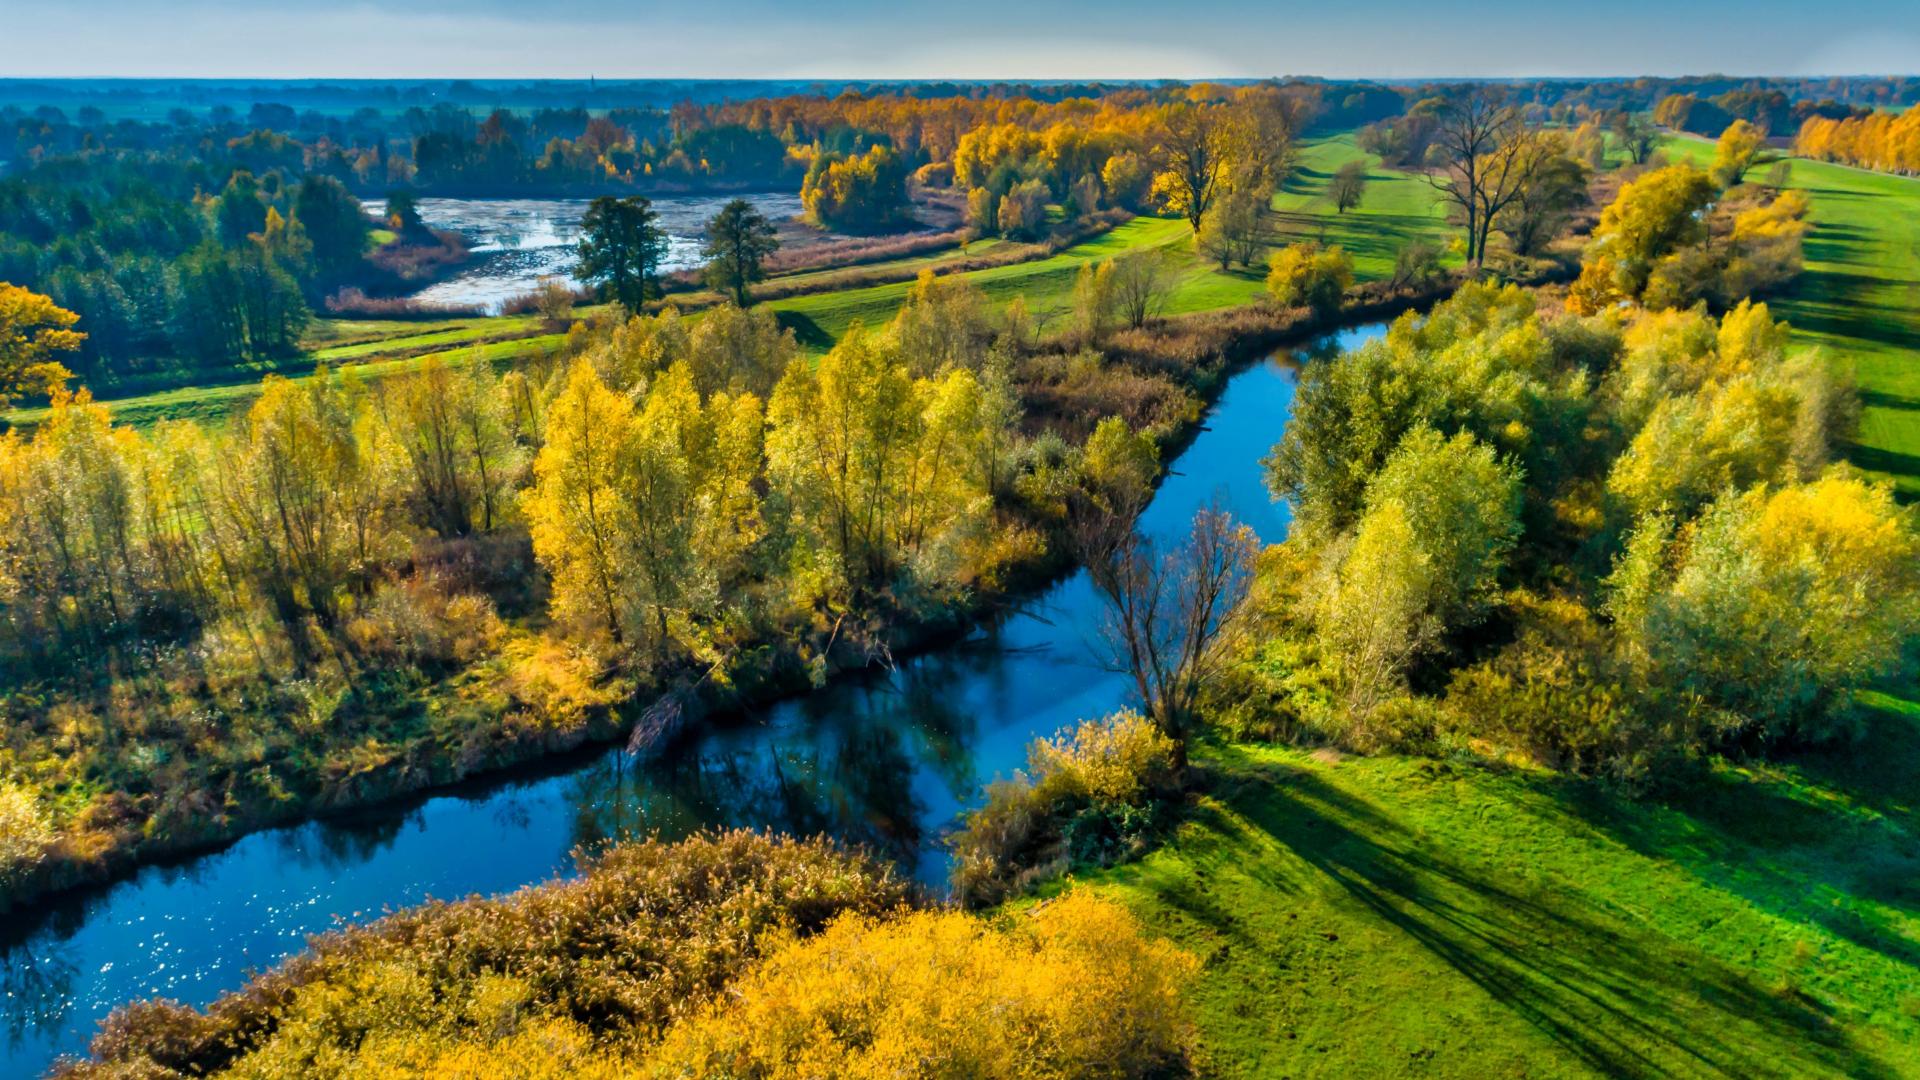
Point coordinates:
[(888, 760), (516, 242)]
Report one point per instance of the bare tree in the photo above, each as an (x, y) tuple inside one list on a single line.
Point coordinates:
[(1166, 614), (1139, 284), (1487, 155)]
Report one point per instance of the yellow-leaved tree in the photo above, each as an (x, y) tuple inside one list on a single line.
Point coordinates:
[(33, 329)]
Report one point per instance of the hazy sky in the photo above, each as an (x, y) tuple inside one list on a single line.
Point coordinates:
[(956, 38)]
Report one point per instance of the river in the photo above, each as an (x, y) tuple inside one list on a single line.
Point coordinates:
[(889, 759), (516, 242)]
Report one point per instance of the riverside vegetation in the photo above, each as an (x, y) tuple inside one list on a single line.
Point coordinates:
[(1584, 561)]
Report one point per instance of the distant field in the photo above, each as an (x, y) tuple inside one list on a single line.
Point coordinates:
[(1398, 208), (1397, 916), (1860, 298)]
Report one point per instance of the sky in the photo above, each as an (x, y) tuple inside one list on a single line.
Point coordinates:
[(956, 39)]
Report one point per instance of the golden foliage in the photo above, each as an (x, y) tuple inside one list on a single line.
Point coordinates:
[(1072, 989)]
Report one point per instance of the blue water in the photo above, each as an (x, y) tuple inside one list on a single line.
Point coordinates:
[(888, 760)]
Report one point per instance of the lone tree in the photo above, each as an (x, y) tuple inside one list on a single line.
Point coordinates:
[(1166, 614), (1487, 156), (739, 239), (1637, 135), (1348, 186), (1195, 141), (620, 249)]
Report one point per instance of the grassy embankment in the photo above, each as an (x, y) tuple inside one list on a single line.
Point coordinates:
[(1393, 915), (1397, 208)]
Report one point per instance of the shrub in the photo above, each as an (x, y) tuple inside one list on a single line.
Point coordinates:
[(25, 832), (1089, 796), (1780, 605), (1309, 276), (1557, 696), (1076, 989), (649, 933)]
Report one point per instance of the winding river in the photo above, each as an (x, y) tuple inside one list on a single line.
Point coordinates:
[(887, 759)]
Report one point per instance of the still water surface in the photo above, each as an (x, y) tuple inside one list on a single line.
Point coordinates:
[(888, 759), (516, 242)]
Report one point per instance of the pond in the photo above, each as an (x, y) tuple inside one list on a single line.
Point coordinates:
[(516, 242), (888, 759)]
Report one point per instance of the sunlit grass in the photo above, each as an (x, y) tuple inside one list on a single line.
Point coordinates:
[(1392, 916)]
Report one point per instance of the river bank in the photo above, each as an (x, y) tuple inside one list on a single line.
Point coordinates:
[(845, 760)]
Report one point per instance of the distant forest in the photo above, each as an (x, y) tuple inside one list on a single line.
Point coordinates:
[(205, 220)]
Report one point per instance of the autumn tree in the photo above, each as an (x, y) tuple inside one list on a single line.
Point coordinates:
[(300, 501), (1487, 156), (1778, 608), (1348, 185), (621, 245), (574, 506), (454, 431), (1740, 148), (33, 330), (862, 193), (1022, 213), (739, 239), (1196, 147), (1310, 276)]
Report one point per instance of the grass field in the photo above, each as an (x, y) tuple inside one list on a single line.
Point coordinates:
[(1860, 299), (1394, 916), (1398, 209)]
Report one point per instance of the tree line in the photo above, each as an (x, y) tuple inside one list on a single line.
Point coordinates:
[(1887, 141)]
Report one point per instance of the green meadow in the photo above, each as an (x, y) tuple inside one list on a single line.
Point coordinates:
[(1398, 916)]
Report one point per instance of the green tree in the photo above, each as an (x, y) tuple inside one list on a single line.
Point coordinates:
[(1348, 185), (739, 239), (621, 245), (334, 223), (238, 213), (1441, 519)]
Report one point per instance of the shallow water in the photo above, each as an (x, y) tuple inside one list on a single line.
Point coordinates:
[(888, 759), (516, 242)]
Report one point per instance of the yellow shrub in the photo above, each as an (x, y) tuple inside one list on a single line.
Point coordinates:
[(25, 830), (1074, 990), (1109, 760)]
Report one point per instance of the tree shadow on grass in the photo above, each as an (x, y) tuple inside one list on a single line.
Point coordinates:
[(805, 331), (1826, 837), (1621, 999)]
